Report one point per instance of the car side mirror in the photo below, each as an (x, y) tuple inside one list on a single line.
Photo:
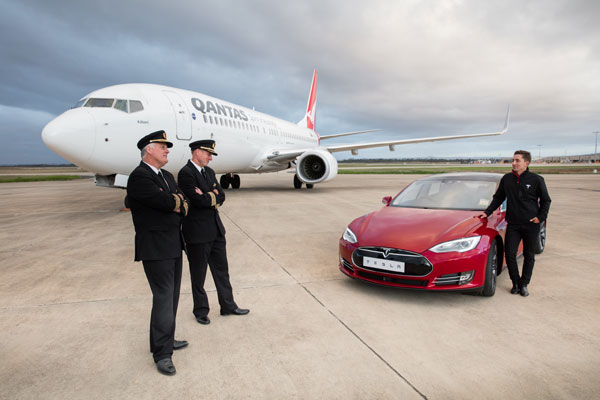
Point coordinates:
[(387, 200)]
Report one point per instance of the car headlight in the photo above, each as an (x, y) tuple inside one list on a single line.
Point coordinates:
[(349, 236), (458, 245)]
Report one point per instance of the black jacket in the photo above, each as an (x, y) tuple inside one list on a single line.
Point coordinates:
[(527, 197), (202, 223), (157, 225)]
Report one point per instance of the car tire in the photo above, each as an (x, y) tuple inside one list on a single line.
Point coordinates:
[(540, 243), (491, 271)]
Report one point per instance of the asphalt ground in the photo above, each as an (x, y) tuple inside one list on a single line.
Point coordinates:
[(75, 307)]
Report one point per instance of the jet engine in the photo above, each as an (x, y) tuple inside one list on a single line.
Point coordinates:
[(315, 166)]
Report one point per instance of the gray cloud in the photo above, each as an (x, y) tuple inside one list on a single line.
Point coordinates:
[(412, 68)]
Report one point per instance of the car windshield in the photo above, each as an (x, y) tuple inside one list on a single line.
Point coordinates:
[(447, 193)]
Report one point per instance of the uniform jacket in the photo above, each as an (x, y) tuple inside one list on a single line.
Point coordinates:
[(527, 197), (202, 223), (157, 225)]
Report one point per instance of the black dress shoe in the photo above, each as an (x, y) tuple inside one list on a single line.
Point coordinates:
[(203, 320), (179, 344), (524, 291), (165, 366), (237, 311), (515, 289)]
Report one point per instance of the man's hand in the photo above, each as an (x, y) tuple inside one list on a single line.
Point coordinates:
[(216, 191), (482, 215), (535, 220), (198, 191)]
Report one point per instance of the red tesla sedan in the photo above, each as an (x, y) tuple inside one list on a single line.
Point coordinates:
[(426, 237)]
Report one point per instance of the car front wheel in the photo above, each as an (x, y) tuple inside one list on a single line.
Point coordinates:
[(491, 268)]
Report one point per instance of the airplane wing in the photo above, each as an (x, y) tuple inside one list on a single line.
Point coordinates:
[(289, 155), (346, 134), (391, 143)]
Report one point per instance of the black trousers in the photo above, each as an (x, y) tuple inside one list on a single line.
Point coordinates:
[(514, 234), (213, 254), (164, 277)]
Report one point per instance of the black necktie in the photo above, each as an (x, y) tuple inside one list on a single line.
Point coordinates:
[(203, 171), (164, 180)]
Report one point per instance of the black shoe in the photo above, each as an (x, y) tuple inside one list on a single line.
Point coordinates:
[(179, 344), (165, 366), (203, 320), (524, 291), (237, 311), (515, 289)]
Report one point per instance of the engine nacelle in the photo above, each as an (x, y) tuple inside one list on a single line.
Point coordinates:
[(315, 166)]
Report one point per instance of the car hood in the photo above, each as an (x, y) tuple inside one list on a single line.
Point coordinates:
[(413, 229)]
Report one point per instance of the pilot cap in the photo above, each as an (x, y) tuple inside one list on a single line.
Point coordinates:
[(208, 145), (154, 137)]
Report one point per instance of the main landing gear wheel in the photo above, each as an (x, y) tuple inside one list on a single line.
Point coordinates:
[(235, 182), (297, 182), (230, 179), (224, 181), (491, 268)]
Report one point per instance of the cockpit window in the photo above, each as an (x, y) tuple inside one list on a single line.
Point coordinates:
[(99, 103), (135, 106), (79, 103), (121, 105)]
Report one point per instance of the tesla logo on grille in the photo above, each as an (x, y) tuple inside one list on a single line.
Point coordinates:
[(386, 253)]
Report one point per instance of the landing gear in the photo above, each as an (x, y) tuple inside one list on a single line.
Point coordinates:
[(230, 179), (235, 182), (298, 183), (224, 181)]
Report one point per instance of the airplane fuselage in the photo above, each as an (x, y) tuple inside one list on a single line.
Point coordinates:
[(100, 134)]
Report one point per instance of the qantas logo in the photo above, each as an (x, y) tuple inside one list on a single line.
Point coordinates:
[(216, 108)]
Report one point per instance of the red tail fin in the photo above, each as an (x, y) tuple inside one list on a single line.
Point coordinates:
[(310, 118)]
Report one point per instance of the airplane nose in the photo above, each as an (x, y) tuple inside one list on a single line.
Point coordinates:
[(71, 135)]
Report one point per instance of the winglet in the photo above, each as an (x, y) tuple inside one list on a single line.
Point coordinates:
[(506, 121), (310, 117)]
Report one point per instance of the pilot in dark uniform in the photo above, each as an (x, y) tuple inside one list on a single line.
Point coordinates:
[(158, 208), (204, 232)]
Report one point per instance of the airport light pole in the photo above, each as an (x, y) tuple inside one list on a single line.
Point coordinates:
[(539, 152), (596, 146)]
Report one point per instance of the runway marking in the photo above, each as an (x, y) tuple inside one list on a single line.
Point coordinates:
[(327, 309)]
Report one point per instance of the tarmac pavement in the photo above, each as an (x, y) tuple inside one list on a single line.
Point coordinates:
[(75, 307)]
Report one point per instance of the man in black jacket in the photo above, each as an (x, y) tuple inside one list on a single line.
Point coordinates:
[(528, 204), (204, 232), (157, 208)]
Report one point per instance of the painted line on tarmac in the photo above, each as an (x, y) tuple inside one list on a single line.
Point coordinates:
[(327, 309)]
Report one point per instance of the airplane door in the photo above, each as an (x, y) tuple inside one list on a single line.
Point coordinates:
[(183, 121)]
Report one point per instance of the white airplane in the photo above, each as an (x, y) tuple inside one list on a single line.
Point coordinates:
[(100, 134)]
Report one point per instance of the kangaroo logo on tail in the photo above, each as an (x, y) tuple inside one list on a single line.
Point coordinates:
[(310, 117)]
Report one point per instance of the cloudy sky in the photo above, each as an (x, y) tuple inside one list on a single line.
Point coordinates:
[(410, 68)]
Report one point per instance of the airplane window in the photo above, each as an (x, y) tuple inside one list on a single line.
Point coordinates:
[(79, 103), (100, 103), (121, 105), (135, 106)]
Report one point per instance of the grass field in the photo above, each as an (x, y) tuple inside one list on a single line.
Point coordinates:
[(39, 178)]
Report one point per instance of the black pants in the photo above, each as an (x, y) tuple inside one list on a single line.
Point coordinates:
[(213, 254), (164, 277), (514, 234)]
